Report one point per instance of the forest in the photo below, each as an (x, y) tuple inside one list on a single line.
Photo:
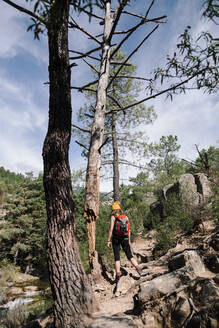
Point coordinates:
[(55, 226)]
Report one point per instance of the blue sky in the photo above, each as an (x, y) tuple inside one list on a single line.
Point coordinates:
[(24, 95)]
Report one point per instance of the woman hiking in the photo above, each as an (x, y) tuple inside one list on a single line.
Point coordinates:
[(119, 232)]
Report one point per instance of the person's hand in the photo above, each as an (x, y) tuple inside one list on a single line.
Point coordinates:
[(108, 243)]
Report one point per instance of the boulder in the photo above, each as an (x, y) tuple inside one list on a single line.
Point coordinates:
[(203, 187), (168, 189), (165, 284), (123, 285), (187, 190), (188, 258), (193, 190)]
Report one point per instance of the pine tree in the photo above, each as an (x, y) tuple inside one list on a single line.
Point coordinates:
[(121, 139)]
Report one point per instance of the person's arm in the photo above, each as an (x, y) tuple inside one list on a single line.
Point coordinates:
[(112, 221)]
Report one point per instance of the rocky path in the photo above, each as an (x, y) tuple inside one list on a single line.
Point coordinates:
[(119, 309)]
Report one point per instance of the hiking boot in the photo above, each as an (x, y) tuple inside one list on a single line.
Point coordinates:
[(142, 273)]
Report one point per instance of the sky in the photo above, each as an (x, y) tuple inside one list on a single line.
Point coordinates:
[(193, 117)]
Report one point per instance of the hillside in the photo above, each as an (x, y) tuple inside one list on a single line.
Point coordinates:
[(175, 243)]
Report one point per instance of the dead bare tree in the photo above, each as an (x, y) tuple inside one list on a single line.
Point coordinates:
[(110, 21)]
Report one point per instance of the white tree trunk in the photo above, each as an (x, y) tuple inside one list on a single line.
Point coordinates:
[(91, 211)]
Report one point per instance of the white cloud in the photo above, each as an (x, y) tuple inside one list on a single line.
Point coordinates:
[(19, 155), (192, 117), (17, 106), (14, 36)]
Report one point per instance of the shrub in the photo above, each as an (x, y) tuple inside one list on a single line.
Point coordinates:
[(176, 217), (215, 206)]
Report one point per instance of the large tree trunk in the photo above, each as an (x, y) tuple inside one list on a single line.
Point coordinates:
[(116, 192), (70, 287), (91, 211)]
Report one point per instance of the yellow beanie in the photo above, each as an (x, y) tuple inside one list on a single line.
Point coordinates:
[(116, 206)]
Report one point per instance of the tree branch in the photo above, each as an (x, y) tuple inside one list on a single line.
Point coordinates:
[(116, 17), (91, 66), (73, 24), (80, 144), (88, 12), (81, 129), (156, 95), (88, 115), (131, 54), (86, 53), (118, 63), (26, 11), (131, 77), (82, 55), (83, 88), (149, 8), (115, 101), (103, 144), (132, 30)]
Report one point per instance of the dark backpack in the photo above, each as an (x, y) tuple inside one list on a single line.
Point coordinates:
[(121, 226)]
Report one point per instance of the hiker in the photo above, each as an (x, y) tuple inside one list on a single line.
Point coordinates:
[(120, 233)]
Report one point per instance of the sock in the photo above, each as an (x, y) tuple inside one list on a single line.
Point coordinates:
[(118, 275), (137, 268)]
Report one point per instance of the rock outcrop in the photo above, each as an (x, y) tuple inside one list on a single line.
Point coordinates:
[(194, 190)]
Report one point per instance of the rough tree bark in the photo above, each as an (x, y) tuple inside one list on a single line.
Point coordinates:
[(70, 287), (91, 210), (116, 192)]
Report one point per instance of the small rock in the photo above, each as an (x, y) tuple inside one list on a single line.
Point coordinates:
[(152, 320), (30, 288), (115, 322), (16, 290)]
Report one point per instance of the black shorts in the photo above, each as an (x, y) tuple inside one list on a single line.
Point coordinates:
[(124, 242)]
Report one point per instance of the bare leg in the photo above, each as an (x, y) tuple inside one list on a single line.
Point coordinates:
[(117, 268), (134, 263)]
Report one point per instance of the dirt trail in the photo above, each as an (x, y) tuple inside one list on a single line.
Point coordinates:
[(122, 302)]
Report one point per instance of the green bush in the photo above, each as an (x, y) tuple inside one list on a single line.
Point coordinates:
[(215, 206), (102, 231), (176, 216), (43, 304)]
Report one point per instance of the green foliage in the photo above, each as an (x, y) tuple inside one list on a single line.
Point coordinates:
[(165, 159), (122, 124), (195, 62), (135, 200), (211, 10), (215, 206), (103, 225), (8, 181), (206, 162), (43, 304), (24, 228), (176, 217)]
